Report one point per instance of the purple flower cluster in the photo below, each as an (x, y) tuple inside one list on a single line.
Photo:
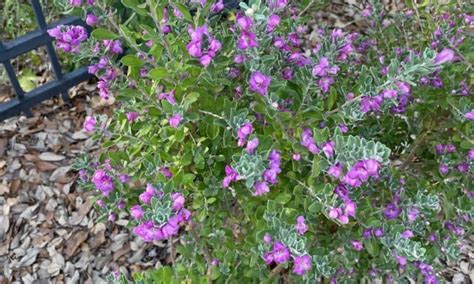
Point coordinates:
[(259, 83), (326, 73), (270, 175), (247, 38), (300, 225), (307, 141), (243, 132), (169, 97), (69, 38), (231, 175), (200, 37), (78, 3), (427, 272), (104, 69), (89, 124), (103, 182), (348, 208), (149, 230), (361, 172), (280, 254)]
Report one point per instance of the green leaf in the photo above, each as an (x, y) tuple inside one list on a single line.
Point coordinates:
[(316, 169), (135, 6), (27, 80), (283, 198), (184, 11), (332, 98), (188, 178), (158, 73), (132, 61), (101, 34)]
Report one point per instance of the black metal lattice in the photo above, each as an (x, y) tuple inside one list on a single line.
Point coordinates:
[(12, 49)]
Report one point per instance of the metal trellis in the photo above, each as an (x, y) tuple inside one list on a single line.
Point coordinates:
[(12, 49)]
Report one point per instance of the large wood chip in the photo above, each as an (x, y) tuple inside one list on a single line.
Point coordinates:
[(73, 243), (45, 166), (51, 157)]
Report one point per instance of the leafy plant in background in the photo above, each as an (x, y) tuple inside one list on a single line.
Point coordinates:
[(300, 163)]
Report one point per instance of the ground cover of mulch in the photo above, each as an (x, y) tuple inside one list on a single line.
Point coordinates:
[(49, 229)]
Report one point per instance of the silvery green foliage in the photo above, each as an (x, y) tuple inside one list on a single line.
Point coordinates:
[(322, 266), (451, 248), (427, 201), (236, 118), (160, 209), (286, 234), (250, 168), (371, 82), (350, 149), (412, 250)]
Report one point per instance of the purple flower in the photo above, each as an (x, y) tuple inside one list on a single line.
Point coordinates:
[(357, 245), (267, 238), (246, 40), (470, 154), (328, 148), (103, 182), (343, 128), (148, 194), (75, 3), (68, 38), (217, 6), (91, 20), (244, 130), (325, 83), (391, 211), (367, 233), (378, 232), (124, 178), (469, 115), (252, 145), (335, 170), (261, 188), (169, 97), (137, 212), (112, 217), (239, 58), (297, 156), (175, 120), (132, 116), (446, 55), (114, 46), (319, 70), (301, 264), (412, 214), (281, 253), (100, 203), (166, 172), (402, 261), (273, 22), (443, 169), (268, 258), (369, 104), (244, 22), (89, 123), (178, 201), (231, 175), (259, 83), (300, 225), (407, 234), (287, 73)]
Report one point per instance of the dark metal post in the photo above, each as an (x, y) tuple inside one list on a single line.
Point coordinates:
[(49, 46)]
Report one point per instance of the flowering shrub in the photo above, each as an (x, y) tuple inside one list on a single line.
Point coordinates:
[(272, 157)]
